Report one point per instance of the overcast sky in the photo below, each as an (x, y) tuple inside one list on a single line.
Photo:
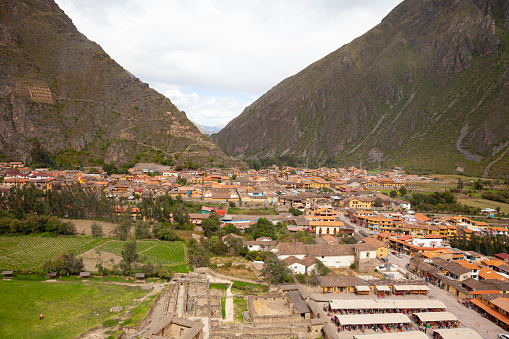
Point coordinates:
[(212, 58)]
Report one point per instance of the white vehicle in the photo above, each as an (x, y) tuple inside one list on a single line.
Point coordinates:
[(503, 336)]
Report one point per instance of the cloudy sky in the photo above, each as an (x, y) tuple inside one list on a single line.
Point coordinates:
[(212, 58)]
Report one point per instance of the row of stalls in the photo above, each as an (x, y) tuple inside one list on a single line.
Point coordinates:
[(385, 323), (439, 320), (378, 306), (385, 290), (455, 333)]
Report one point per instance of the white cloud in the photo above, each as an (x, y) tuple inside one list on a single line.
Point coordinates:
[(208, 110), (230, 45)]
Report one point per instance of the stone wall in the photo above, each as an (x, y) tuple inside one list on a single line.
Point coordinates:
[(365, 264)]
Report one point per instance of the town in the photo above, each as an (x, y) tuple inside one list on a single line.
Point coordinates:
[(328, 252)]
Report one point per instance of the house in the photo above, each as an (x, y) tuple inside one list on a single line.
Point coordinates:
[(362, 255), (360, 202), (300, 266), (261, 244), (336, 284), (382, 250)]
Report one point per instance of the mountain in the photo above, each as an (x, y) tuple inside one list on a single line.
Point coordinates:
[(211, 129), (63, 97), (426, 89)]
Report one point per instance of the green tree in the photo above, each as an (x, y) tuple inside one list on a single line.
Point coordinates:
[(211, 224), (199, 252), (403, 191), (276, 271), (263, 228), (129, 254), (393, 194), (460, 185), (97, 230), (478, 185), (165, 273), (295, 211), (320, 268), (378, 202)]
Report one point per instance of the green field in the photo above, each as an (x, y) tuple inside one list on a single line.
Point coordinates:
[(28, 252), (484, 203), (68, 307), (153, 251)]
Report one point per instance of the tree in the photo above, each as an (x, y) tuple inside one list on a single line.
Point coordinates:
[(276, 271), (123, 230), (142, 230), (352, 266), (295, 211), (403, 191), (211, 224), (321, 269), (393, 194), (349, 240), (199, 252), (263, 228), (231, 229), (165, 273), (97, 230), (478, 185), (378, 202), (460, 184), (129, 254)]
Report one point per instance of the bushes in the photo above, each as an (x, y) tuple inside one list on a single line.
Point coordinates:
[(36, 225)]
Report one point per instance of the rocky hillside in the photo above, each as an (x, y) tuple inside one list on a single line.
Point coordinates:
[(425, 89), (64, 96)]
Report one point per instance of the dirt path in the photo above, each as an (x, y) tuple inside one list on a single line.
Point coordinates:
[(229, 304)]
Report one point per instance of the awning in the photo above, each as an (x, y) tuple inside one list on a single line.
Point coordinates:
[(383, 288), (362, 288), (455, 333), (402, 288), (373, 319), (411, 335), (422, 288), (435, 316), (491, 311)]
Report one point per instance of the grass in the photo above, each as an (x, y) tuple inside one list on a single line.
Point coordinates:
[(28, 252), (253, 211), (223, 307), (68, 307), (140, 312), (484, 203), (240, 306), (154, 251), (223, 287), (249, 286)]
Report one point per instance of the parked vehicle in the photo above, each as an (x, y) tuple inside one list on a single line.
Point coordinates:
[(399, 255)]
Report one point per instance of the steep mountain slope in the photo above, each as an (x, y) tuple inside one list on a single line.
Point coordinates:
[(62, 93), (425, 89)]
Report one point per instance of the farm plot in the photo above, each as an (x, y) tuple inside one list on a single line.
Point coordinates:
[(28, 252), (153, 251)]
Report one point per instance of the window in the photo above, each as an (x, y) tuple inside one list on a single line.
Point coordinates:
[(367, 254)]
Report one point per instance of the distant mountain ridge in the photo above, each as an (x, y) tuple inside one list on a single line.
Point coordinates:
[(425, 89), (63, 93)]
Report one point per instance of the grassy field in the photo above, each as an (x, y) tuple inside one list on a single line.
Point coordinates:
[(254, 211), (28, 252), (484, 203), (68, 307), (240, 306), (154, 251)]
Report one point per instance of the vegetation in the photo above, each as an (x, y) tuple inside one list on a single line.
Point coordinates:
[(276, 271), (69, 307), (486, 245)]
